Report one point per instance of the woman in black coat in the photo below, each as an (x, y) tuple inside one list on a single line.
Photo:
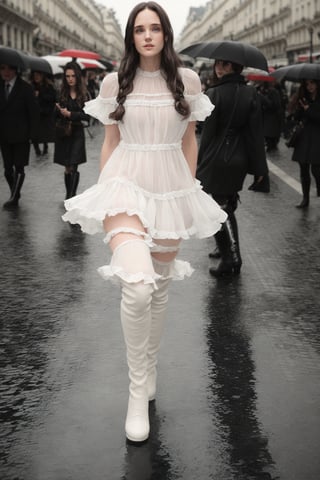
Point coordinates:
[(305, 106), (45, 94), (231, 146), (70, 148)]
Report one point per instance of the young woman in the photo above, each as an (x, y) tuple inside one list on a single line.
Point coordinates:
[(147, 198), (70, 149), (305, 106), (231, 146)]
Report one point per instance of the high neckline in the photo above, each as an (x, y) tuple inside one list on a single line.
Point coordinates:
[(145, 73)]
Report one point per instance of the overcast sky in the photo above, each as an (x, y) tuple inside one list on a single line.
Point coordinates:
[(176, 10)]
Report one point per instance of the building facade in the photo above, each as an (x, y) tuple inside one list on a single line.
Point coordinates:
[(281, 29), (43, 27)]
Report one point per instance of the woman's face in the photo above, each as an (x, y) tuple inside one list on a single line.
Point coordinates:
[(222, 67), (148, 35), (311, 86), (37, 77), (71, 78)]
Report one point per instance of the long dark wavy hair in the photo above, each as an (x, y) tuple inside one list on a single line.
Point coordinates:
[(170, 62), (301, 94), (81, 91)]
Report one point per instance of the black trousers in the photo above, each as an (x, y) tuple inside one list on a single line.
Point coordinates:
[(15, 155)]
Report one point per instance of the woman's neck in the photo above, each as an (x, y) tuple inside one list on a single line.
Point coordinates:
[(73, 92), (150, 64)]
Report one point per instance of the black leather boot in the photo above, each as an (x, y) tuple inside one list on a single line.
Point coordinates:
[(10, 179), (261, 186), (215, 254), (228, 243), (67, 182), (224, 267), (232, 229), (15, 194), (305, 184), (75, 176)]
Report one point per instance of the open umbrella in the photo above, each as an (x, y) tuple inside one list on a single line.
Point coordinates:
[(75, 53), (90, 63), (13, 57), (39, 64), (57, 63), (230, 50), (297, 72)]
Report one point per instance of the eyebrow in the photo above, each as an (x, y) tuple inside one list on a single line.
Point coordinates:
[(152, 25)]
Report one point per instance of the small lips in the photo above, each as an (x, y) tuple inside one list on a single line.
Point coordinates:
[(149, 45)]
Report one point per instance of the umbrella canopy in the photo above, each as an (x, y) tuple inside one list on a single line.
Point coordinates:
[(13, 57), (39, 64), (297, 72), (232, 51), (75, 53), (89, 63), (57, 63)]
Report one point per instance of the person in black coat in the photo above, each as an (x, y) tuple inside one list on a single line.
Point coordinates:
[(19, 120), (231, 146), (70, 150), (45, 94), (305, 106), (272, 114)]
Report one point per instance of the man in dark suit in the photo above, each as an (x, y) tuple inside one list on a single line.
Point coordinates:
[(19, 117)]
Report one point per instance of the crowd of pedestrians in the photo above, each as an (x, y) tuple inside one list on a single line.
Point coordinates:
[(29, 111)]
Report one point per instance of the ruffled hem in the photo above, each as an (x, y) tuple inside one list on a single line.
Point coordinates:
[(174, 215), (100, 108), (179, 270), (201, 107)]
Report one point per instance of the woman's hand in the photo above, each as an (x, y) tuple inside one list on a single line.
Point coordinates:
[(303, 103), (64, 111)]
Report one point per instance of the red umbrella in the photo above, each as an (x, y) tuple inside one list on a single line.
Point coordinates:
[(260, 78), (74, 53)]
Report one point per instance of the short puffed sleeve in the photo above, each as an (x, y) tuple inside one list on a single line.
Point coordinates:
[(200, 104), (105, 103)]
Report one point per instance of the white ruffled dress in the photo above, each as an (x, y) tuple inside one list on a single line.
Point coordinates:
[(147, 174)]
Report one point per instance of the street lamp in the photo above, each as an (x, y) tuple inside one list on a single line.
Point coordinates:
[(311, 43)]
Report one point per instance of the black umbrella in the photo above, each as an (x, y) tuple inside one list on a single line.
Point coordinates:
[(232, 51), (13, 57), (38, 64), (300, 71)]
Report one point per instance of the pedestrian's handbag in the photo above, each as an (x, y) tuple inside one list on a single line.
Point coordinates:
[(63, 127), (294, 134)]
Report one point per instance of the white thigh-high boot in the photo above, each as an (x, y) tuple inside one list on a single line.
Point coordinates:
[(135, 320), (132, 262), (158, 316)]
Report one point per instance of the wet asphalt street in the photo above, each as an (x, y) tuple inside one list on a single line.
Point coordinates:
[(239, 371)]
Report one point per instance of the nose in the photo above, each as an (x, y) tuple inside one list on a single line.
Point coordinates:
[(148, 33)]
